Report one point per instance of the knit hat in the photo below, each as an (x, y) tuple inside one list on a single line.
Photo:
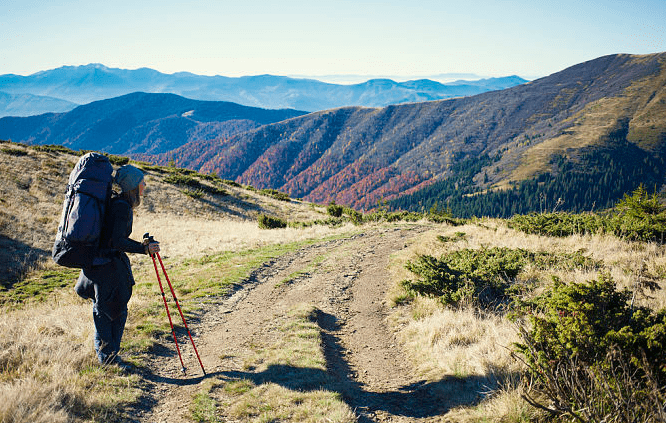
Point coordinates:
[(128, 177)]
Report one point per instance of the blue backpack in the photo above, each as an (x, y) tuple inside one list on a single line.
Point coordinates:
[(88, 193)]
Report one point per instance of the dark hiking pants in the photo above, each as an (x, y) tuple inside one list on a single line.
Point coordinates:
[(108, 334)]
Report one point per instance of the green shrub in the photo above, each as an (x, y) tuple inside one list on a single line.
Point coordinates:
[(458, 236), (481, 276), (559, 223), (51, 148), (211, 177), (118, 160), (183, 171), (13, 151), (194, 184), (151, 168), (355, 217), (334, 209), (270, 222), (592, 355), (180, 179), (195, 194), (640, 217), (275, 194), (637, 217), (231, 183)]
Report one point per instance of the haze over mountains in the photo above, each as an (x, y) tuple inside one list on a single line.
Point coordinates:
[(84, 84), (579, 138)]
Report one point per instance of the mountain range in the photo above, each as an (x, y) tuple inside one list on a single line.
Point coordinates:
[(587, 134), (577, 139), (79, 85)]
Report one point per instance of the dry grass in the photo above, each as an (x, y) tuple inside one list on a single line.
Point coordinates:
[(463, 342), (49, 373), (192, 236)]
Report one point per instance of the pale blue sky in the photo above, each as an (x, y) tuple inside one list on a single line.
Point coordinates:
[(407, 38)]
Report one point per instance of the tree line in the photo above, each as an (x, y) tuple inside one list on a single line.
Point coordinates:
[(595, 180)]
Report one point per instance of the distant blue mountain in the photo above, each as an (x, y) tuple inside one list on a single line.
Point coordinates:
[(84, 84), (139, 123), (29, 105)]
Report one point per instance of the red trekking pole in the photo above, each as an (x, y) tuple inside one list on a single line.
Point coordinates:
[(173, 293)]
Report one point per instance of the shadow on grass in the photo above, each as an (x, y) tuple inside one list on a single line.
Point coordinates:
[(15, 259)]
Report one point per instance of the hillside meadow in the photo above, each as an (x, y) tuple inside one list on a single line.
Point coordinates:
[(456, 292)]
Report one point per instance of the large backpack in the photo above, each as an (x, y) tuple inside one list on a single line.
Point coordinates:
[(86, 200)]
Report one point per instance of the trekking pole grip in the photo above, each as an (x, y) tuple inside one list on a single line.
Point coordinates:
[(148, 238)]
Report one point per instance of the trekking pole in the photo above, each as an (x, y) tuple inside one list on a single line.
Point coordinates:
[(173, 332), (173, 293)]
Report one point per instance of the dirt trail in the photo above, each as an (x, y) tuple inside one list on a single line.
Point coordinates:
[(346, 280)]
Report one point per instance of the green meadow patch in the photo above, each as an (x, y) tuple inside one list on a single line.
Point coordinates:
[(38, 287)]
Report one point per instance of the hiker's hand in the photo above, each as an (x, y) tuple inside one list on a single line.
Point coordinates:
[(152, 248)]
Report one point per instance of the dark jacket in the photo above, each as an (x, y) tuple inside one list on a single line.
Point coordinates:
[(109, 281)]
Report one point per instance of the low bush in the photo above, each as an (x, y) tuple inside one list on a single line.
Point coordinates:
[(481, 276), (13, 151), (558, 224), (640, 217), (52, 148), (637, 217), (118, 160), (147, 167), (275, 194), (231, 183), (195, 194), (196, 187), (593, 356), (335, 210), (270, 222)]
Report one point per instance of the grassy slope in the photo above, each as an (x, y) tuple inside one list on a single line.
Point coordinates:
[(643, 105), (32, 186)]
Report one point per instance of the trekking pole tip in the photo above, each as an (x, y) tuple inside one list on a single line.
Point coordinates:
[(183, 370)]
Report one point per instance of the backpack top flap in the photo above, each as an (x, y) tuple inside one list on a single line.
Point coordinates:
[(92, 166)]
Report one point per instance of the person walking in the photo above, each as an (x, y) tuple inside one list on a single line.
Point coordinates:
[(108, 282)]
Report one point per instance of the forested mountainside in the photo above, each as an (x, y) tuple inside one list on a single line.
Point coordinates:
[(93, 82), (583, 136), (139, 123)]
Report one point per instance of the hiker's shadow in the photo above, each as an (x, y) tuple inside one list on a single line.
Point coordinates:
[(418, 400)]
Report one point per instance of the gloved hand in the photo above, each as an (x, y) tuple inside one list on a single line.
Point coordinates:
[(151, 246)]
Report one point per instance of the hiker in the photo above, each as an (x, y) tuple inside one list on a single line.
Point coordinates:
[(108, 282)]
